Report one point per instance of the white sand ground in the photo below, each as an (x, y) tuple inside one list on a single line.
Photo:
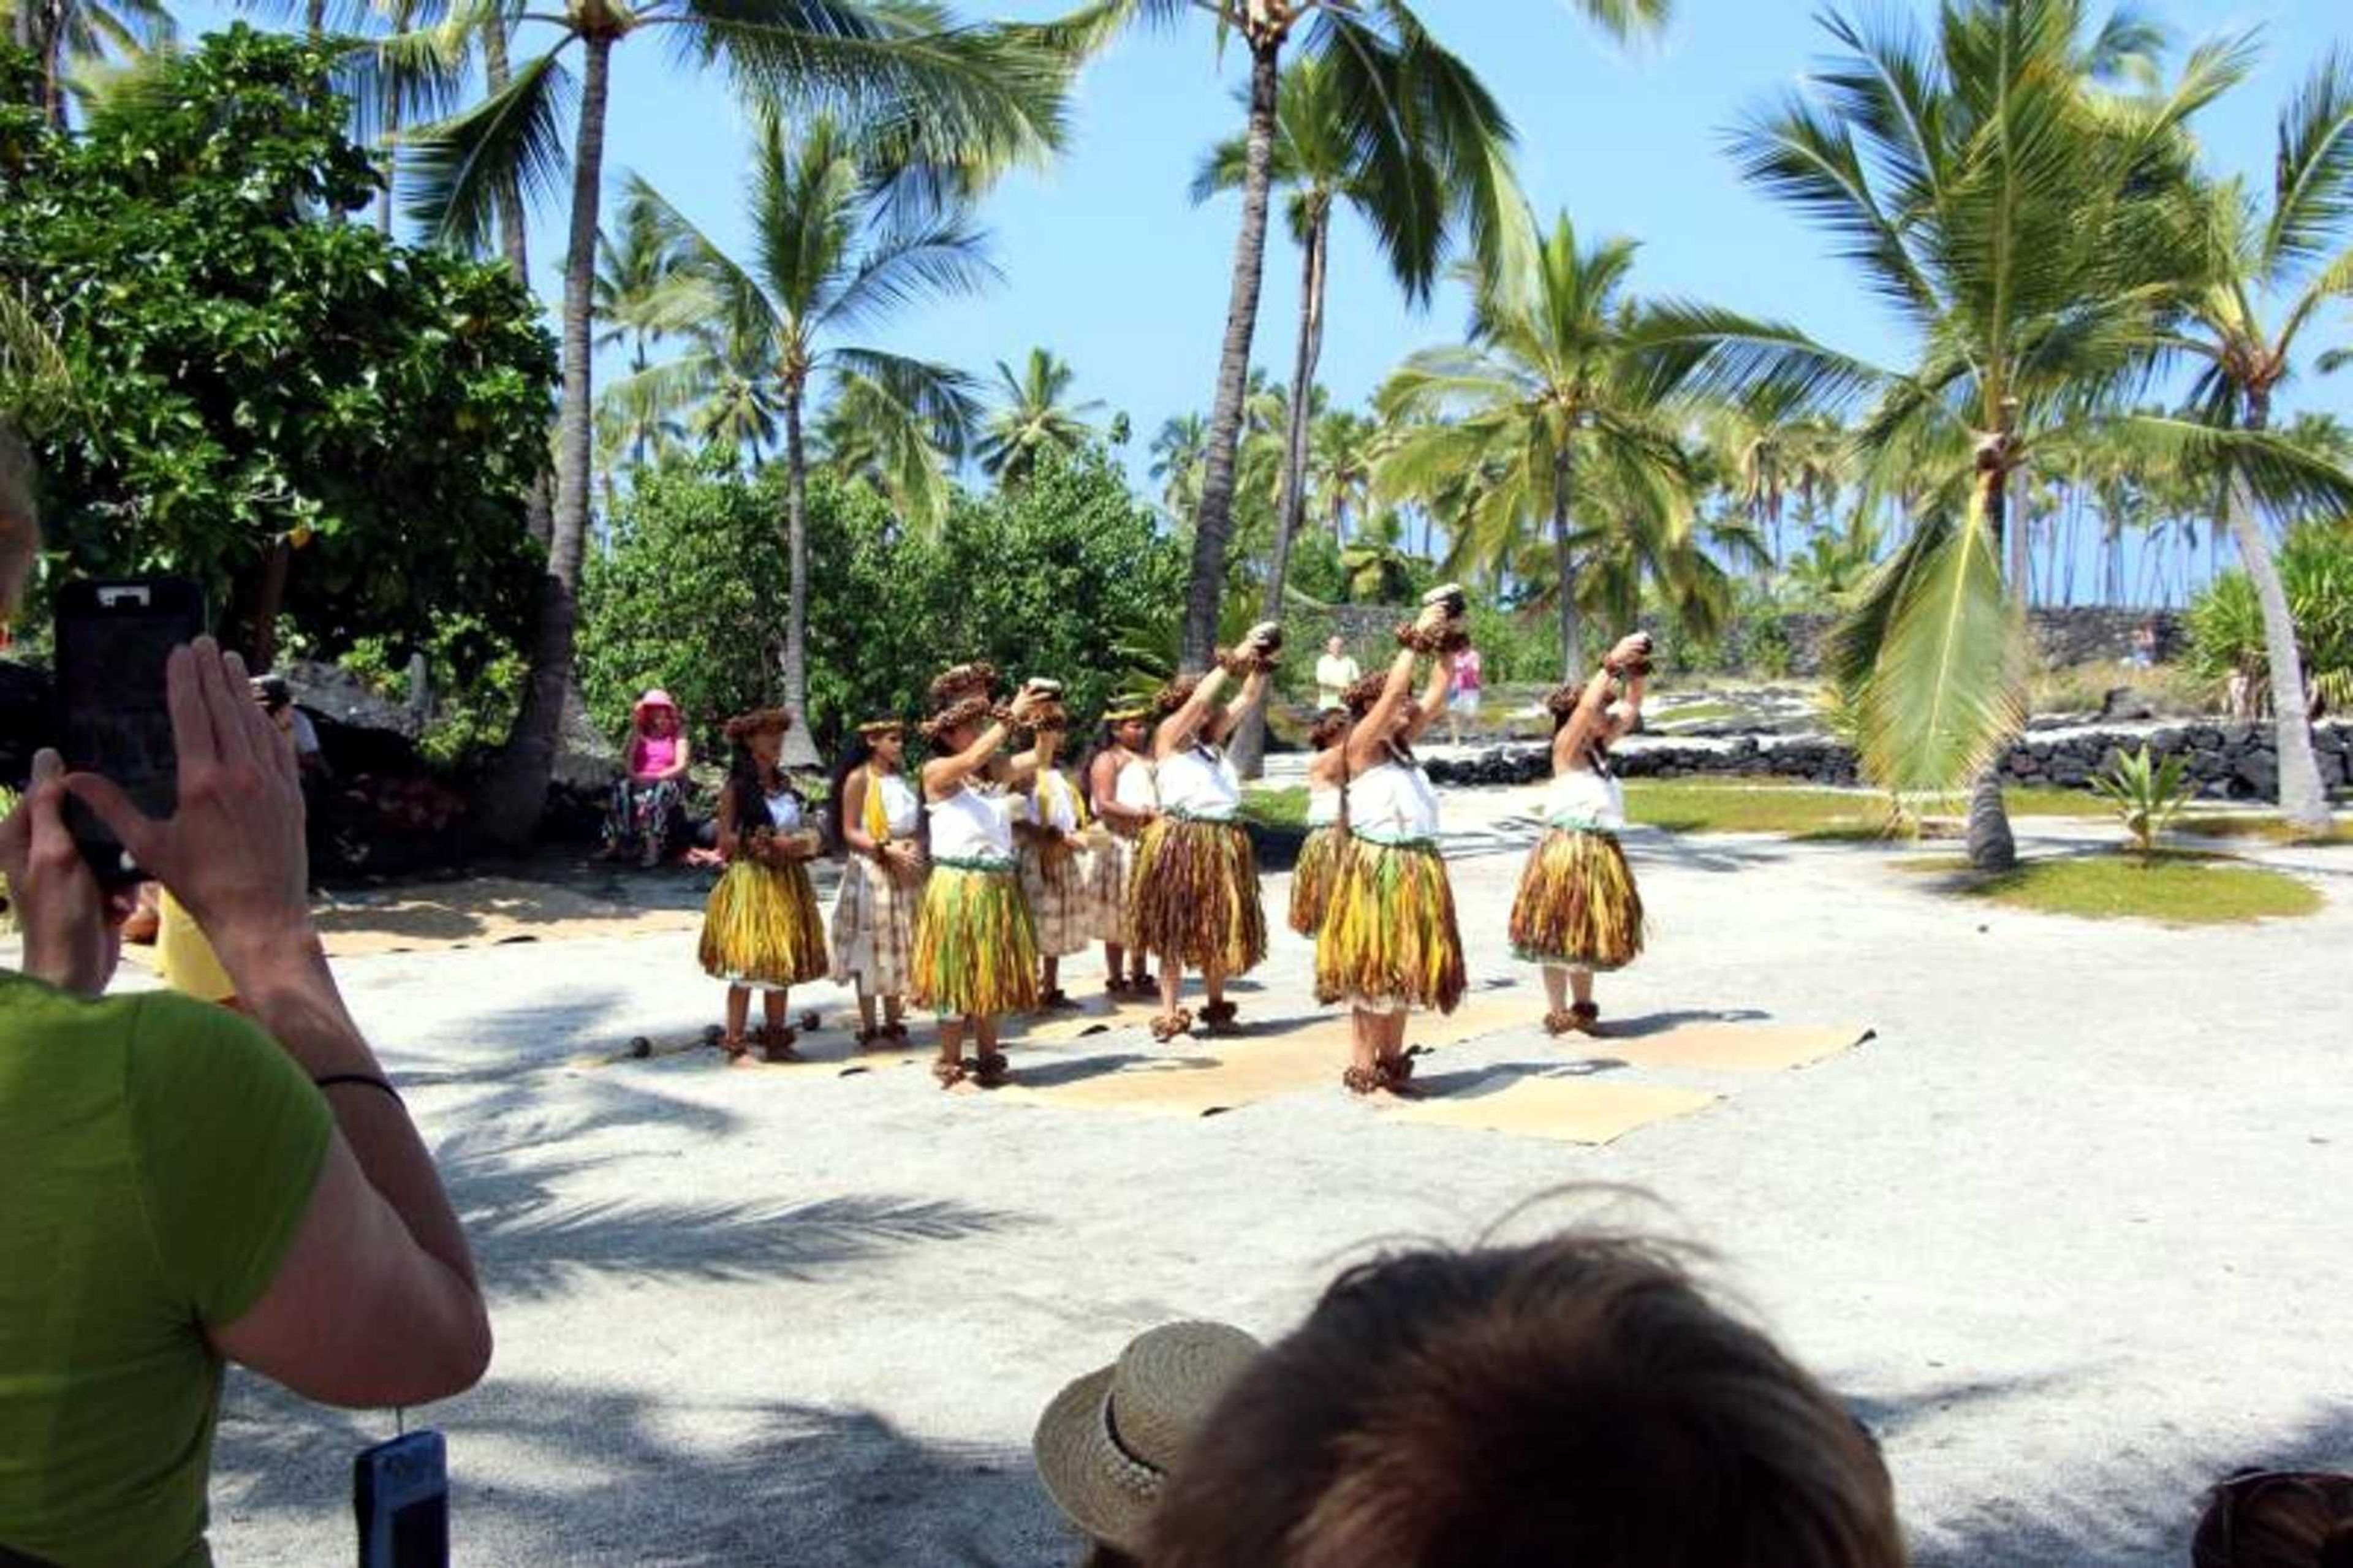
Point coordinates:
[(2069, 1233)]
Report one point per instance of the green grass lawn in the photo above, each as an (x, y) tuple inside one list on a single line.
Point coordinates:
[(2252, 826), (2172, 889), (1709, 806), (1273, 808)]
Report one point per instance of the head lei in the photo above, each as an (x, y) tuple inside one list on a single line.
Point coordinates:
[(962, 695), (1175, 695), (882, 729), (759, 722), (1128, 713), (1330, 725)]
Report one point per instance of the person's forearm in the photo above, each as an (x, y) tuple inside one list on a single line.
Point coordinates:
[(287, 988)]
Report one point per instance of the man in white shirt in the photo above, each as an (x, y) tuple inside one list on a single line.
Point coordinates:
[(1334, 673)]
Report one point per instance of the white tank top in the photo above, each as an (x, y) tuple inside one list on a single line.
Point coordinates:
[(1057, 802), (1135, 789), (1323, 804), (1200, 782), (973, 830), (1393, 803), (902, 811), (785, 812), (1585, 801)]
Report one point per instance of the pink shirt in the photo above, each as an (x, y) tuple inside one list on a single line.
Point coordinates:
[(1466, 671), (650, 756)]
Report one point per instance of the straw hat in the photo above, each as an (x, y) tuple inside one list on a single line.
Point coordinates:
[(1105, 1445)]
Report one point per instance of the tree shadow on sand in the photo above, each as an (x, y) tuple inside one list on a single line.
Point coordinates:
[(610, 1476)]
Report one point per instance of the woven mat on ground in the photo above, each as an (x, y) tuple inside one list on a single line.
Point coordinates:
[(1197, 1076), (1569, 1110), (483, 911), (1728, 1048)]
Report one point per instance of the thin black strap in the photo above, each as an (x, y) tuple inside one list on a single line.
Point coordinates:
[(368, 1079)]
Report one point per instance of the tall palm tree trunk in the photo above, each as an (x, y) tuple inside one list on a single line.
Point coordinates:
[(1992, 847), (53, 58), (800, 751), (1213, 524), (517, 792), (1564, 570), (514, 243), (2303, 799), (1250, 741)]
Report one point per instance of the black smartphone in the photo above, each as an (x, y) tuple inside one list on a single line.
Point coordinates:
[(400, 1495), (113, 640)]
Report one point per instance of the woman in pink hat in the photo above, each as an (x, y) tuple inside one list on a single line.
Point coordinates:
[(649, 795)]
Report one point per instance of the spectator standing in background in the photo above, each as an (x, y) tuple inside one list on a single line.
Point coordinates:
[(1467, 677), (1334, 673)]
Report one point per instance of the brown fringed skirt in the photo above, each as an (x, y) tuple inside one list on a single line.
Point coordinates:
[(1194, 896), (762, 927), (1313, 876), (1578, 905), (1391, 940)]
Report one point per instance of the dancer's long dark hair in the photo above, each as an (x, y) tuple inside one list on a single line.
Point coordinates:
[(856, 754), (747, 790)]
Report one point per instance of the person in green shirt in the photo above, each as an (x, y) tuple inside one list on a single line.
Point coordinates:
[(187, 1187)]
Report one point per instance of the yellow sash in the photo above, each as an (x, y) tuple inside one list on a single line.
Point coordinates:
[(878, 819)]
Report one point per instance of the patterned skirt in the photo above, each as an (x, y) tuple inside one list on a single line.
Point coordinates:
[(874, 927), (1578, 905), (1313, 875), (1389, 940), (1059, 884), (762, 927), (975, 952), (1114, 873), (1194, 896)]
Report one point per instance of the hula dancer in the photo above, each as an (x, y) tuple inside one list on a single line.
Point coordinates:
[(879, 824), (1125, 800), (1057, 869), (1577, 909), (1327, 821), (975, 952), (761, 931), (1194, 903), (1389, 942)]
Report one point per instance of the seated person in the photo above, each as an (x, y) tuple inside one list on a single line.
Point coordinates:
[(652, 785), (1575, 1402)]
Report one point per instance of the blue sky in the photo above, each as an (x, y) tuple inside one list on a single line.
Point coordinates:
[(1108, 263)]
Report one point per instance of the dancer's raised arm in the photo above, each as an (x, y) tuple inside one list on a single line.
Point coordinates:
[(1176, 730), (1570, 744), (1225, 721), (1433, 696)]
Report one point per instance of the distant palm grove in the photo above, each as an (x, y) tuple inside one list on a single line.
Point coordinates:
[(2100, 334)]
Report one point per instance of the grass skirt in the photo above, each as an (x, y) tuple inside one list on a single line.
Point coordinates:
[(1059, 885), (1194, 900), (975, 951), (1577, 904), (1311, 876), (874, 927), (1389, 938), (762, 927)]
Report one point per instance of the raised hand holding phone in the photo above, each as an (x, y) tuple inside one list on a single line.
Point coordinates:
[(69, 936), (232, 850)]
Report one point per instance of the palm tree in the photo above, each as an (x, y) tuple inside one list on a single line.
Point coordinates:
[(864, 436), (2296, 254), (1552, 395), (1342, 450), (2010, 210), (839, 238), (971, 100), (1179, 455), (72, 37), (1397, 90), (1031, 417)]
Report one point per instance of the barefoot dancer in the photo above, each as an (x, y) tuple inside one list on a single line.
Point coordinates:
[(976, 954), (1327, 825), (1125, 800), (1389, 941), (880, 825), (1196, 901), (761, 930), (1057, 875), (1578, 908)]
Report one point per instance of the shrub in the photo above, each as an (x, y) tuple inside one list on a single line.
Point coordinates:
[(2315, 568), (2147, 794)]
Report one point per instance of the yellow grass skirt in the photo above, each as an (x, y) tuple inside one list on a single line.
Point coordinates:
[(1311, 876), (975, 950), (1577, 904), (1193, 899), (762, 927), (1389, 938)]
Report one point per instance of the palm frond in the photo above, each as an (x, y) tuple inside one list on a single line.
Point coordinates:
[(458, 167), (1704, 351), (2313, 177)]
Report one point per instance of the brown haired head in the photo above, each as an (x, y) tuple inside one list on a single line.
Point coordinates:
[(972, 710), (1359, 697), (759, 722), (1330, 729), (2277, 1519), (1175, 695), (965, 680), (1578, 1400)]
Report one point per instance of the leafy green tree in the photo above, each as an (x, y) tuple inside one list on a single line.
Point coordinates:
[(67, 38), (969, 102), (246, 376), (1030, 416), (2230, 629), (1399, 94)]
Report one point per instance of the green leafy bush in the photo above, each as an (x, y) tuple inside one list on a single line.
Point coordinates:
[(475, 675), (2147, 794), (2315, 568)]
